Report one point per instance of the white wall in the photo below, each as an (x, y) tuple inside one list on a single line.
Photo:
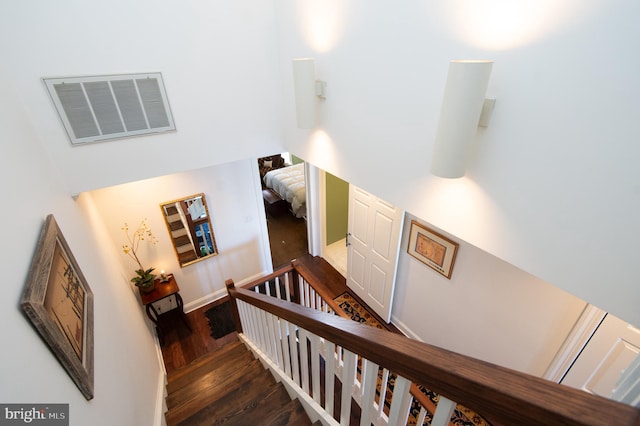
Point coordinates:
[(489, 309), (553, 188), (234, 200), (217, 62), (127, 369)]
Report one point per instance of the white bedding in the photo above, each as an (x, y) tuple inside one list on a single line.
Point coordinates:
[(288, 182)]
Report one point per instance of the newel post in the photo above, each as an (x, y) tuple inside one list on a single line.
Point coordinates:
[(295, 281), (234, 304)]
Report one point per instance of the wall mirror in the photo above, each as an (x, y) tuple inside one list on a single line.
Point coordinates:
[(190, 229)]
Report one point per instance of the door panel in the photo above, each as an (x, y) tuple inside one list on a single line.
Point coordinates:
[(375, 227), (378, 282), (604, 379), (382, 234), (611, 349), (356, 268)]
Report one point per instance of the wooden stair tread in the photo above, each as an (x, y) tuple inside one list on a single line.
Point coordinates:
[(188, 400), (226, 406), (261, 407), (230, 387), (218, 378), (233, 345), (291, 414), (207, 364)]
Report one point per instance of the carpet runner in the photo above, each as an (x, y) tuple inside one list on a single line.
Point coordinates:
[(462, 416)]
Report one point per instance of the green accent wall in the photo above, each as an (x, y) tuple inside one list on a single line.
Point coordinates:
[(296, 160), (337, 207)]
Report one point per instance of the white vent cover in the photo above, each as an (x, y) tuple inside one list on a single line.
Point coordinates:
[(106, 107)]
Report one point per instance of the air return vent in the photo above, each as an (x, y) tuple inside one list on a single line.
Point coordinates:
[(107, 107)]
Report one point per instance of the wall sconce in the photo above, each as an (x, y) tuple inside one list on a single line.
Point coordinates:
[(307, 89), (464, 108)]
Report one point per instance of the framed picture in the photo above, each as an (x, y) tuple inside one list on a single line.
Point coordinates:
[(434, 250), (59, 303)]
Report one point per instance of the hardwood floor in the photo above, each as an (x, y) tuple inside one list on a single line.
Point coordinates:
[(182, 346)]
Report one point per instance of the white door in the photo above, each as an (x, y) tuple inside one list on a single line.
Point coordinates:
[(375, 228), (611, 349)]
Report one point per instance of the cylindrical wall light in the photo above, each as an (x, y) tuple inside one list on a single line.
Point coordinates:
[(464, 97), (304, 80)]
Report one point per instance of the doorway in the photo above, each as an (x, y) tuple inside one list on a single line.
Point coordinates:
[(336, 222), (284, 197)]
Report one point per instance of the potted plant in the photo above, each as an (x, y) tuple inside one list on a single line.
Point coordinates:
[(144, 279)]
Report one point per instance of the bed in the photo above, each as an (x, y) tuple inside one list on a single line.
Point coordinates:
[(288, 183)]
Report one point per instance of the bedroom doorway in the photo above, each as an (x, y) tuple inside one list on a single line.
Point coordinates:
[(284, 196)]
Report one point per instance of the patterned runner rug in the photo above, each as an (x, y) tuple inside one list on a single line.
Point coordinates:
[(462, 416)]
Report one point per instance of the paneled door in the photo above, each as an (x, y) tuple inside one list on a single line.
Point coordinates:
[(610, 350), (375, 229)]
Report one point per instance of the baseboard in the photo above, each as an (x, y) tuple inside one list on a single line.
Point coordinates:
[(161, 403), (404, 329), (219, 294)]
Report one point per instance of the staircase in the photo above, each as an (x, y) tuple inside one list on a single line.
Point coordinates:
[(229, 386)]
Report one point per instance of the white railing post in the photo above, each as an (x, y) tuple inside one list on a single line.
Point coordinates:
[(286, 350), (296, 353), (369, 378), (400, 402), (348, 379), (444, 411), (304, 359), (315, 366), (286, 287), (330, 374)]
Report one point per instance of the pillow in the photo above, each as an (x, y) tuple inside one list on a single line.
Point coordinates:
[(267, 163)]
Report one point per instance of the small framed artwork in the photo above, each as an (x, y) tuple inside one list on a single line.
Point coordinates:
[(59, 303), (435, 250)]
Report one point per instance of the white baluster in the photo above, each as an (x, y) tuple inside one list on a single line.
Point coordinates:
[(370, 378), (273, 338), (301, 290), (243, 317), (278, 295), (384, 386), (307, 300), (286, 287), (421, 416), (348, 379), (329, 377), (264, 333), (293, 344), (315, 366), (304, 360), (284, 332), (400, 402), (443, 413)]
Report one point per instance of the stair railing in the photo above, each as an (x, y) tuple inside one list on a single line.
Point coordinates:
[(295, 341), (295, 282)]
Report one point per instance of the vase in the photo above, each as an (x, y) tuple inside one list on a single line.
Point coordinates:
[(148, 288)]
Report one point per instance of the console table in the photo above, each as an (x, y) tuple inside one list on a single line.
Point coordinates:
[(162, 303)]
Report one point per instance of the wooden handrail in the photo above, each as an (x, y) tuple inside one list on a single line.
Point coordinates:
[(277, 273), (502, 395)]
